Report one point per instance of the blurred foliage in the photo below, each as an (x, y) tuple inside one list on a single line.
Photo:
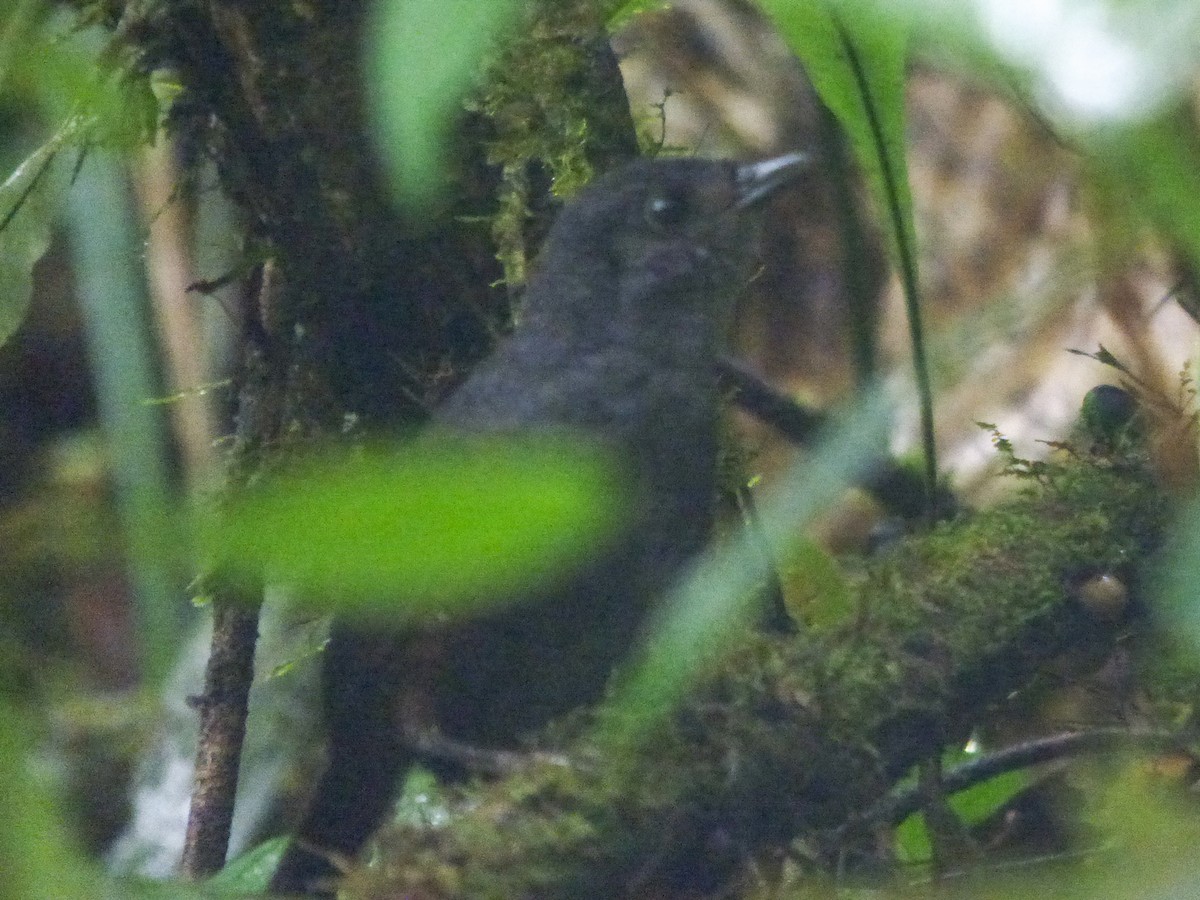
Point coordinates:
[(38, 857), (105, 242), (370, 527), (433, 48), (434, 527), (52, 68), (814, 585), (249, 873), (972, 806), (26, 215), (692, 626), (857, 60)]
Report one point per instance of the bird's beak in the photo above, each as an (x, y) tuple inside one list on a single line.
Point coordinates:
[(759, 179)]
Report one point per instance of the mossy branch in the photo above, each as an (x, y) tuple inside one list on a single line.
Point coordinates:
[(796, 735)]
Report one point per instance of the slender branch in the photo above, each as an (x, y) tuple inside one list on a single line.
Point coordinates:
[(775, 614), (901, 491), (793, 420), (223, 707), (904, 801)]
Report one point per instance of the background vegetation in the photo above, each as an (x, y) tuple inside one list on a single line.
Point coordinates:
[(243, 248)]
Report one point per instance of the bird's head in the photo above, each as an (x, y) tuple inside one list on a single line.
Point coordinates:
[(661, 239)]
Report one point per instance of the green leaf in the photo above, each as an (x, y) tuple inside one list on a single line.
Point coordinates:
[(37, 857), (28, 200), (249, 873), (856, 59), (1153, 165), (422, 56), (815, 588), (693, 625), (106, 248), (855, 54), (55, 67), (1179, 576), (60, 67), (973, 805), (417, 531), (20, 18)]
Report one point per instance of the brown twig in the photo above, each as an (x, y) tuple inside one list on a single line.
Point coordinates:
[(223, 707), (227, 679), (904, 801), (793, 420), (900, 490)]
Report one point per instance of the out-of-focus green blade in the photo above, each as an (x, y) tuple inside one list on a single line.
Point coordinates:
[(716, 597), (423, 529), (422, 56)]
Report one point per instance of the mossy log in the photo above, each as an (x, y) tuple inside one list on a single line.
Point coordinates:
[(795, 736)]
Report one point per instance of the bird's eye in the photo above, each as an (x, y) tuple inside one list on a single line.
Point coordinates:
[(664, 212)]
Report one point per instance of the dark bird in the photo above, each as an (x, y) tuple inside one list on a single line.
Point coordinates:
[(617, 340)]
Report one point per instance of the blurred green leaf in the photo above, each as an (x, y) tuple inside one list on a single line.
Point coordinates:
[(19, 17), (1179, 575), (441, 522), (1153, 165), (715, 597), (27, 207), (249, 873), (815, 588), (106, 247), (59, 66), (973, 805), (912, 840), (56, 67), (37, 858), (856, 60), (422, 56), (1149, 813)]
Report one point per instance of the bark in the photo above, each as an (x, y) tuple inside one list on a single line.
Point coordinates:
[(222, 710)]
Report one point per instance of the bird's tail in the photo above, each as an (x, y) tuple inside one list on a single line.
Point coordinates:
[(365, 760)]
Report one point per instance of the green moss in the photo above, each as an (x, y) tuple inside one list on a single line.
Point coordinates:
[(553, 109)]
